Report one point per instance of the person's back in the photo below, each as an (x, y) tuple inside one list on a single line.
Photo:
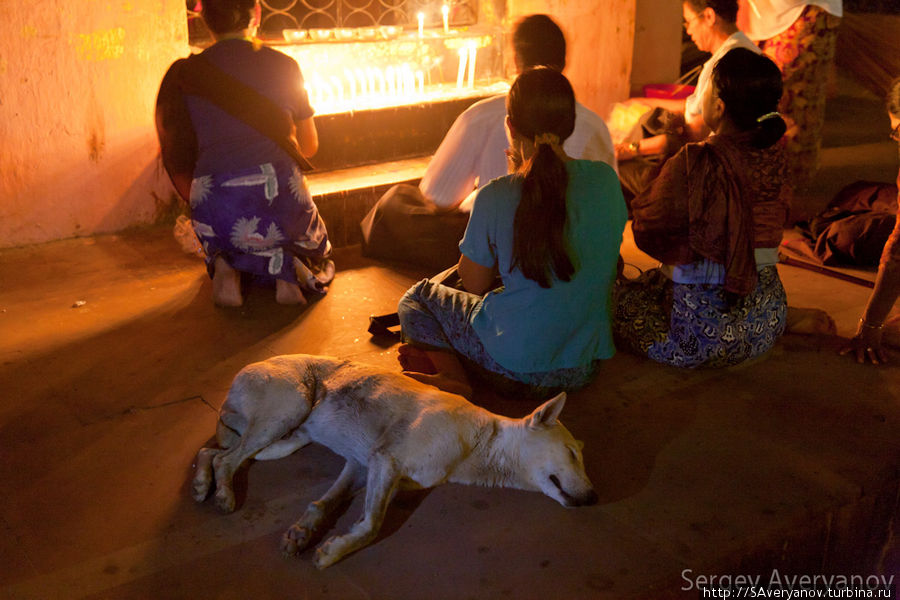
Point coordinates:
[(567, 323), (552, 231), (227, 143), (714, 219)]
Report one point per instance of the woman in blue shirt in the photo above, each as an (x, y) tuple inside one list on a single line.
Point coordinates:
[(551, 230)]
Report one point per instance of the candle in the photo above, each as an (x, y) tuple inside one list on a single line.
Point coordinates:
[(421, 17), (472, 52), (463, 55), (445, 10), (420, 82)]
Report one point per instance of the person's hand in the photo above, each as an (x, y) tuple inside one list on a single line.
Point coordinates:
[(866, 345), (625, 151)]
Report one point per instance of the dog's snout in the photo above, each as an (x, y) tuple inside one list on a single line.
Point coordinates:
[(589, 499)]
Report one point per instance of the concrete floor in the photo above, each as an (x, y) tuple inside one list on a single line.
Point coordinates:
[(113, 362)]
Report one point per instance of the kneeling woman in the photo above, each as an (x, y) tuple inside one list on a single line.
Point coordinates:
[(714, 218), (552, 232)]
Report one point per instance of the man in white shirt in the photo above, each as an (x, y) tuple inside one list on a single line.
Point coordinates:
[(472, 153)]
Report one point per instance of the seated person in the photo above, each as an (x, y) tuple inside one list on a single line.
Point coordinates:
[(714, 218), (552, 232), (250, 206), (471, 154), (873, 329), (711, 25)]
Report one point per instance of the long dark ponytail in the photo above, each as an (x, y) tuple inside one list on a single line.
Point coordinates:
[(541, 108), (750, 86)]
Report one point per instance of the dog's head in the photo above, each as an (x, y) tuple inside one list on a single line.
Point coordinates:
[(552, 457)]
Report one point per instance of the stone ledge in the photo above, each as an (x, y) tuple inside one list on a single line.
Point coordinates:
[(345, 196)]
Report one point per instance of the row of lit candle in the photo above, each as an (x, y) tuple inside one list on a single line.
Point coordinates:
[(397, 84), (393, 82)]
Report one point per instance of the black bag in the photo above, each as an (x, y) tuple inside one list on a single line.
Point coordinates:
[(854, 227), (404, 227)]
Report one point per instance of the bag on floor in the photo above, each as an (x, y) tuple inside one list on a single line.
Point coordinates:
[(854, 227), (402, 227)]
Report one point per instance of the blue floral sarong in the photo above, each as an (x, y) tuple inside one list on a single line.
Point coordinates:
[(262, 221)]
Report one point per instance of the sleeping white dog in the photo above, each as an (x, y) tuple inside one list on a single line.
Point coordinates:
[(392, 431)]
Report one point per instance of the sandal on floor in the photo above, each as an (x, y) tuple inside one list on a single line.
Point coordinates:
[(380, 325)]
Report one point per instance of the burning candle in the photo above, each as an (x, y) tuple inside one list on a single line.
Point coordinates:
[(420, 82), (421, 17), (461, 72), (445, 10), (472, 52), (389, 75)]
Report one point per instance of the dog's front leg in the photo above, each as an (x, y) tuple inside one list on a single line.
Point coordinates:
[(382, 481), (301, 533)]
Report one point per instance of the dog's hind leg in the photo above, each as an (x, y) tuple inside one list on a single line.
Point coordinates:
[(382, 482), (203, 476), (301, 533), (226, 462)]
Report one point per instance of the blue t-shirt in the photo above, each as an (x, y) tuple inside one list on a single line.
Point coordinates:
[(524, 327), (227, 144)]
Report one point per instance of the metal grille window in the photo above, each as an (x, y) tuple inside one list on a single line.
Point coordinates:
[(278, 15)]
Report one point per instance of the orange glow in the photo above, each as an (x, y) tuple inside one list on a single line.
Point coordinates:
[(351, 70)]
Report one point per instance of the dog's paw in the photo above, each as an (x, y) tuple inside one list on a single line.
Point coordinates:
[(225, 499), (295, 540), (200, 488), (326, 556)]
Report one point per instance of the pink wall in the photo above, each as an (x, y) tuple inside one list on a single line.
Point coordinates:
[(78, 83)]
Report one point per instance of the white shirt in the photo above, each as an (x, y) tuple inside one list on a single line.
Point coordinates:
[(693, 105), (768, 18), (472, 152)]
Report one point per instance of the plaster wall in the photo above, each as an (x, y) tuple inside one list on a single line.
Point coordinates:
[(78, 83), (657, 43), (600, 41)]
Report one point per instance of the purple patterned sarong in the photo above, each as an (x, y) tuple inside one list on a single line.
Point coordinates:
[(262, 221)]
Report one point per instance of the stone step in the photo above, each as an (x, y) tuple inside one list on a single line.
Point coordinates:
[(344, 196)]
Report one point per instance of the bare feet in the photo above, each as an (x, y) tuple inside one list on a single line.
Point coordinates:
[(226, 284), (443, 383), (809, 321), (288, 293), (415, 360)]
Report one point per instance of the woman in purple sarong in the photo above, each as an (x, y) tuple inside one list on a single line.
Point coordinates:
[(250, 205)]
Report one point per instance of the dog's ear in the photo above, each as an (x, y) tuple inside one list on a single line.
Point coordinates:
[(546, 414)]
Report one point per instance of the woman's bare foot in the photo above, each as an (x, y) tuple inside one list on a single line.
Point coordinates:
[(443, 383), (226, 284), (414, 359), (809, 321), (288, 293)]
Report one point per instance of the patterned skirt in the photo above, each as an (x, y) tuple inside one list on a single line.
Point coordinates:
[(693, 325), (804, 52), (438, 317), (262, 221)]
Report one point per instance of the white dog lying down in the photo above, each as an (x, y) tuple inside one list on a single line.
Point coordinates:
[(397, 429)]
